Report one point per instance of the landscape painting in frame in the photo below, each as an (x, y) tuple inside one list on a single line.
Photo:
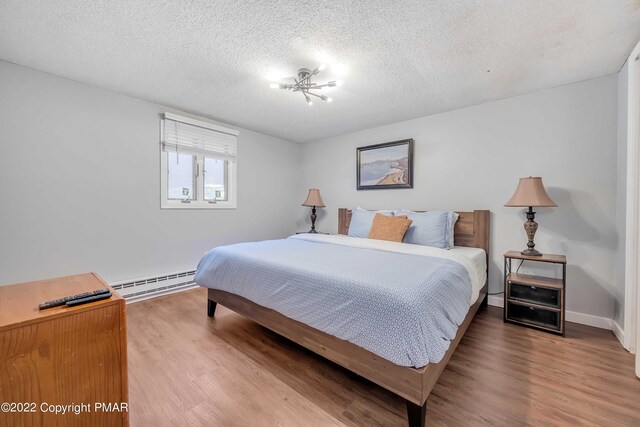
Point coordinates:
[(385, 166)]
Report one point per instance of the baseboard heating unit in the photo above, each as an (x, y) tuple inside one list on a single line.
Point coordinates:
[(136, 290)]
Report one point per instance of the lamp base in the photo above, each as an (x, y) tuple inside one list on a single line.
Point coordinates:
[(312, 231), (313, 220), (530, 227), (531, 252)]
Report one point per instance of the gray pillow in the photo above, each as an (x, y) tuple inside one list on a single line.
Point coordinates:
[(428, 228), (361, 221), (453, 218)]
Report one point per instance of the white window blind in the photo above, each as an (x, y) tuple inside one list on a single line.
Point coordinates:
[(186, 136)]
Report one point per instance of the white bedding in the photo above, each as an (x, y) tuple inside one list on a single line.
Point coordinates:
[(479, 259)]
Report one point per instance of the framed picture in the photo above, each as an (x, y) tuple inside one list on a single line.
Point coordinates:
[(385, 166)]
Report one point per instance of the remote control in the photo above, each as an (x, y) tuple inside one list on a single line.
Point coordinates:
[(93, 298), (63, 301)]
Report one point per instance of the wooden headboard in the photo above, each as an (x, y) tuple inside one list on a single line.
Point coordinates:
[(472, 228)]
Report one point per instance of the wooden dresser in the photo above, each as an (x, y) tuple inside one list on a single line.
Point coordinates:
[(62, 356)]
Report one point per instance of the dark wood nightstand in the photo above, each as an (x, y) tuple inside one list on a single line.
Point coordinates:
[(535, 301)]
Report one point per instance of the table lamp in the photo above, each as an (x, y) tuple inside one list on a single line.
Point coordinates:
[(314, 201), (530, 193)]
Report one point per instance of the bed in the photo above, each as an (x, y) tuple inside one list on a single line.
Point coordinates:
[(390, 312)]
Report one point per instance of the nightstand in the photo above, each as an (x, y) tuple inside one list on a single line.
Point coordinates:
[(535, 301)]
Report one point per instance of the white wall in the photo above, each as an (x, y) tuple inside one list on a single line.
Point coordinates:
[(80, 186), (472, 158)]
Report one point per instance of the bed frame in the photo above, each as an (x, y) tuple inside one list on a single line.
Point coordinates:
[(412, 384)]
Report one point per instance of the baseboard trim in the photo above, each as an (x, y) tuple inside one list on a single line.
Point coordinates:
[(590, 320), (496, 301), (572, 316), (618, 331)]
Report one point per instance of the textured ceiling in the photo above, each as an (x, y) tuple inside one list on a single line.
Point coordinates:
[(398, 59)]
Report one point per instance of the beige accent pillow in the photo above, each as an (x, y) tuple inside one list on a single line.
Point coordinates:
[(391, 228)]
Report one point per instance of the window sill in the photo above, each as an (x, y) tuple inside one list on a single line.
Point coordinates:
[(196, 205)]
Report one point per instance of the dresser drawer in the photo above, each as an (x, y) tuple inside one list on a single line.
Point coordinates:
[(534, 294), (537, 316)]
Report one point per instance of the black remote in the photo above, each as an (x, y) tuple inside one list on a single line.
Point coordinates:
[(62, 301), (88, 299)]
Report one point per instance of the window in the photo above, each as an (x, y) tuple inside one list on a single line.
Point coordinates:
[(198, 164)]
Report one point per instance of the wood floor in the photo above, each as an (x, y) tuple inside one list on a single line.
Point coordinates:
[(187, 369)]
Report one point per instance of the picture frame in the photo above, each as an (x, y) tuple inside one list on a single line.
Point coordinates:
[(385, 166)]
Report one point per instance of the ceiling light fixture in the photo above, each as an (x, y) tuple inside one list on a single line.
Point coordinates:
[(304, 84)]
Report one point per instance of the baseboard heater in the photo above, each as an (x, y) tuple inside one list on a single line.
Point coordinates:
[(135, 290)]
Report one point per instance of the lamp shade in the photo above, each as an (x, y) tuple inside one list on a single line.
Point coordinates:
[(314, 199), (530, 192)]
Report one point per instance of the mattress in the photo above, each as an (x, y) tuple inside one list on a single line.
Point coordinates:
[(479, 259), (402, 302)]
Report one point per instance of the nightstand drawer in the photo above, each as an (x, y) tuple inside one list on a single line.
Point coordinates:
[(532, 315), (534, 294)]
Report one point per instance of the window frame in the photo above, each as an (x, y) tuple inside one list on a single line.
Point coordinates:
[(194, 178), (225, 174), (199, 202)]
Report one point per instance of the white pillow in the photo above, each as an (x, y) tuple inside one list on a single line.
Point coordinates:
[(387, 212)]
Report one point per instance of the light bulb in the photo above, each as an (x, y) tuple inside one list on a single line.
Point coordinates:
[(329, 99), (339, 83), (322, 67), (274, 85), (309, 102)]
